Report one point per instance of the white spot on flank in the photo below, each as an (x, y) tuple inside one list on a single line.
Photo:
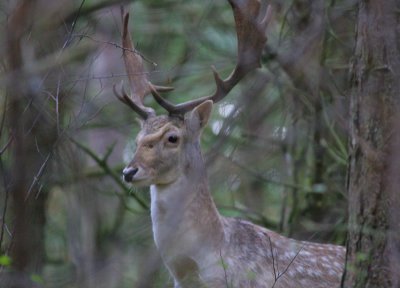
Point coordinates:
[(304, 282), (337, 265), (305, 253), (289, 255), (314, 272), (326, 265), (325, 259), (300, 269), (332, 272)]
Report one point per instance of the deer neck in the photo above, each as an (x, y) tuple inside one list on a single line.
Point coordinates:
[(185, 219)]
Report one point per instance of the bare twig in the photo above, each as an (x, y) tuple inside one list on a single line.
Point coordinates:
[(73, 24), (2, 150), (36, 178), (278, 275), (223, 267), (262, 178), (88, 9), (250, 214), (291, 261), (273, 258), (57, 106), (117, 46), (3, 116), (104, 165), (3, 218)]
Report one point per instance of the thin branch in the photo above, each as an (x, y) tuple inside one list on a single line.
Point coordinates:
[(86, 10), (262, 178), (278, 275), (2, 150), (46, 63), (223, 267), (291, 261), (249, 214), (103, 164), (57, 106), (3, 219), (78, 13), (3, 117), (117, 46), (273, 259), (3, 173), (36, 178)]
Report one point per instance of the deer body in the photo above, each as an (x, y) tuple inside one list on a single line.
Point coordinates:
[(199, 246)]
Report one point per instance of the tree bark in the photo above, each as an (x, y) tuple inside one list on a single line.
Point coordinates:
[(32, 139), (374, 104)]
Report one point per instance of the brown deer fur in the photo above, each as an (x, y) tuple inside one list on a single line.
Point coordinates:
[(199, 246)]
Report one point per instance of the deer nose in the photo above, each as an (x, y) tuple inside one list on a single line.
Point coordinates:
[(128, 173)]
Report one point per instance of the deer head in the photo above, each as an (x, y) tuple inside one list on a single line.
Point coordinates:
[(168, 144)]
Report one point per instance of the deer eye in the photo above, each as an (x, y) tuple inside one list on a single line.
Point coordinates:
[(173, 139)]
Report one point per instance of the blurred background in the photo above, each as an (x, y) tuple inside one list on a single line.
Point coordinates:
[(276, 147)]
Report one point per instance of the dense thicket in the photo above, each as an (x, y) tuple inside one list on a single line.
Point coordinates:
[(276, 148)]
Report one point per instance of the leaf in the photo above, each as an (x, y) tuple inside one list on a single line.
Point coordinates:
[(37, 278), (5, 260)]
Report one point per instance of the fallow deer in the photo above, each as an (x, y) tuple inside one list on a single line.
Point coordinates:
[(200, 247)]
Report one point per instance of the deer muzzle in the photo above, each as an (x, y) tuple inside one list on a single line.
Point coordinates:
[(128, 173)]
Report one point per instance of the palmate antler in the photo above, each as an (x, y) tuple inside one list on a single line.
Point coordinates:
[(251, 24), (138, 78)]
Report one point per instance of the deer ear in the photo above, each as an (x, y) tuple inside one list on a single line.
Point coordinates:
[(197, 119)]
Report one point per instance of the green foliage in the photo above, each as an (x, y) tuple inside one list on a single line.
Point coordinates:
[(275, 147), (37, 279), (5, 260)]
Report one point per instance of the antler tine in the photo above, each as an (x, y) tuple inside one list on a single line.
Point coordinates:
[(124, 98), (140, 86), (190, 105), (251, 24)]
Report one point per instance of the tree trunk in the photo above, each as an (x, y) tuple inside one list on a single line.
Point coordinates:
[(374, 104), (32, 139)]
